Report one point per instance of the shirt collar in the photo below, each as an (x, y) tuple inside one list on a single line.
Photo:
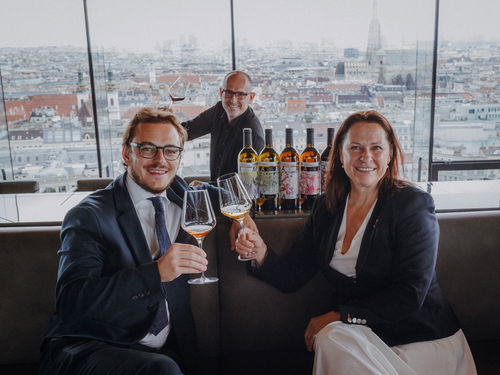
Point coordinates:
[(138, 194)]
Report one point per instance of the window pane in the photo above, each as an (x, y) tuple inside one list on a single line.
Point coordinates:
[(5, 166), (467, 113), (45, 82), (470, 175), (314, 63), (140, 57)]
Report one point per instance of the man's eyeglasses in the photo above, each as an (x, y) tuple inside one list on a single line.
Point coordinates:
[(240, 95), (148, 150)]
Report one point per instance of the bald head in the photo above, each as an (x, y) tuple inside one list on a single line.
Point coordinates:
[(236, 93)]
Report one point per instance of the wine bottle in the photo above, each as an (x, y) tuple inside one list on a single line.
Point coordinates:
[(289, 174), (324, 157), (310, 172), (248, 165), (268, 175)]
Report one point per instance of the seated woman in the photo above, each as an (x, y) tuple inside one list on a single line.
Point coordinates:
[(375, 238)]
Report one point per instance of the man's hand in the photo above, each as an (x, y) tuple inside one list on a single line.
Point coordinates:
[(235, 229), (181, 259), (316, 324)]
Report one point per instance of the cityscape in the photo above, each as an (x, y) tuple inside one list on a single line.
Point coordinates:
[(50, 134)]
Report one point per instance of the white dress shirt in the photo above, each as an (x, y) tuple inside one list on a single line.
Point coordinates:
[(146, 213)]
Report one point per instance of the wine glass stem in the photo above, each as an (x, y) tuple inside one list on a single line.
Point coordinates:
[(200, 245), (242, 224)]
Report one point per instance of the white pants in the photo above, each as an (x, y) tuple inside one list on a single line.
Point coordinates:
[(351, 349)]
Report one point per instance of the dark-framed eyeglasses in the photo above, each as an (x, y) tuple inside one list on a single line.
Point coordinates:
[(148, 150), (240, 95)]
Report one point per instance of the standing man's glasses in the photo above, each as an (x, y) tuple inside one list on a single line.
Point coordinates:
[(239, 94), (148, 150)]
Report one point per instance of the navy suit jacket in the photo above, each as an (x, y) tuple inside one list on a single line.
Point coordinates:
[(395, 291), (108, 287)]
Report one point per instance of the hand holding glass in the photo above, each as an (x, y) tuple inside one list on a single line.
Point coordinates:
[(198, 220), (234, 200), (178, 89)]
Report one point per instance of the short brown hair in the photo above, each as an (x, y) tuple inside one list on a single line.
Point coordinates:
[(153, 115), (337, 183)]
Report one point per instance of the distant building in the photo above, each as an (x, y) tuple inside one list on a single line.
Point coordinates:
[(112, 95), (351, 53), (352, 71)]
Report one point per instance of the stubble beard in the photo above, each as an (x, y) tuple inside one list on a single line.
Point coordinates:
[(139, 181)]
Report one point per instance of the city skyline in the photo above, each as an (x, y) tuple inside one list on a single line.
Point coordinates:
[(298, 85), (342, 23)]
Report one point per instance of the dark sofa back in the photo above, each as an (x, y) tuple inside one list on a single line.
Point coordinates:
[(468, 270), (255, 316), (241, 314), (28, 270)]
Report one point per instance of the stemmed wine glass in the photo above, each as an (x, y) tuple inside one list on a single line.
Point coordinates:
[(198, 220), (177, 91), (234, 200)]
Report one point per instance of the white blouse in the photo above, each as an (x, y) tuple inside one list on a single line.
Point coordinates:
[(346, 263)]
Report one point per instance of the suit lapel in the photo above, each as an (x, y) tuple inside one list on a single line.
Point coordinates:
[(129, 222), (328, 243), (366, 242), (175, 193)]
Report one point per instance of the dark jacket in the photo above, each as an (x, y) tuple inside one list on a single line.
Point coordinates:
[(108, 288), (226, 138), (395, 291)]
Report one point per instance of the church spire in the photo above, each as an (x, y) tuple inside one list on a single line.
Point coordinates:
[(374, 36)]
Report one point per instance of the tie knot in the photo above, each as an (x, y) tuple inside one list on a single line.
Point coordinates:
[(157, 204)]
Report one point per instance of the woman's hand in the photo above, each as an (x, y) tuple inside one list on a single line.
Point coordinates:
[(316, 324), (250, 245), (235, 229)]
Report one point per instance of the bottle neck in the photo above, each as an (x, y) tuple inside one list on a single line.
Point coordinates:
[(247, 139), (269, 140), (331, 133), (310, 138)]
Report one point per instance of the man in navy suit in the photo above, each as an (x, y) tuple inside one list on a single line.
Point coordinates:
[(122, 301)]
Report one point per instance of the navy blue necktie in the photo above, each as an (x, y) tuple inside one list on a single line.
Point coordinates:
[(161, 319)]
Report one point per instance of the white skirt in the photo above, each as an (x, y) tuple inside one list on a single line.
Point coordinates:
[(351, 349)]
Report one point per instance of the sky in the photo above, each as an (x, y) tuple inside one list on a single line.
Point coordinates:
[(140, 25)]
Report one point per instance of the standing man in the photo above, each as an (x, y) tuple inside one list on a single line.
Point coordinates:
[(122, 298), (225, 122)]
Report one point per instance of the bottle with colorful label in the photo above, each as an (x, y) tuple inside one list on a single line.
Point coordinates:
[(248, 165), (324, 157), (289, 174), (310, 173), (268, 175)]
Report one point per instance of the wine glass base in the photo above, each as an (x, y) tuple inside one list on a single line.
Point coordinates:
[(203, 280), (240, 258)]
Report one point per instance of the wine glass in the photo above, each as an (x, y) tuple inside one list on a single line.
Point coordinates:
[(234, 200), (177, 91), (198, 220)]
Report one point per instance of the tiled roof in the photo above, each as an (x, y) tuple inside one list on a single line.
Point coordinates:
[(64, 104)]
